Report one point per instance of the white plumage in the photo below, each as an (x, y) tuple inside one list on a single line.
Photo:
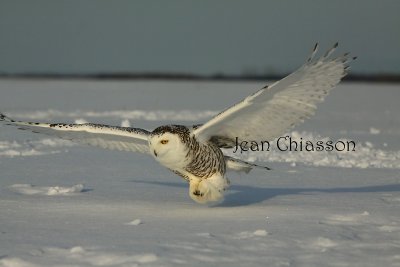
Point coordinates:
[(195, 152), (274, 109)]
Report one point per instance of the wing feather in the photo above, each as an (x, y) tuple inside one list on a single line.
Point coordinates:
[(271, 111), (104, 136)]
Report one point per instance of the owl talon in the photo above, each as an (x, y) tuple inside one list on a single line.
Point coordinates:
[(198, 193)]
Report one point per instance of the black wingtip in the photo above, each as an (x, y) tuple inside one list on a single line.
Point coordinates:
[(4, 118), (314, 51), (261, 166), (336, 45), (354, 58), (8, 120)]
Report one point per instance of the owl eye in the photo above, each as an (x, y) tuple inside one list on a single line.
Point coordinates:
[(164, 141)]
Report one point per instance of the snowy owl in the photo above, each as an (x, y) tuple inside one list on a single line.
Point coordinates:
[(194, 152)]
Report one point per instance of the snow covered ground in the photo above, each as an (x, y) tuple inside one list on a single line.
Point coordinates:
[(67, 205)]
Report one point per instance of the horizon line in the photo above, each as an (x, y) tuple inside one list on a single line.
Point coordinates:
[(382, 77)]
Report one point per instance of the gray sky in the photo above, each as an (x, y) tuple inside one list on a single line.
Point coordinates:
[(201, 37)]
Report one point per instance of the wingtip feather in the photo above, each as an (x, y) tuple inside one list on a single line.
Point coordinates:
[(330, 51), (314, 51), (5, 118), (336, 45)]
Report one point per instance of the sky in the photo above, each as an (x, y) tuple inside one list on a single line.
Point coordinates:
[(195, 37)]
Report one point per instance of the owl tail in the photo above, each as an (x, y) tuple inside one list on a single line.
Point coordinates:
[(240, 165)]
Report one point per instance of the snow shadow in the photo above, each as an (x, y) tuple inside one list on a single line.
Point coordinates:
[(182, 184), (244, 195)]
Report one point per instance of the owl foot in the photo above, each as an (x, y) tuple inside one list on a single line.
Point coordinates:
[(204, 191), (198, 193)]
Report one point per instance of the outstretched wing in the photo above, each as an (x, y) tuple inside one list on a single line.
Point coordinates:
[(271, 111), (241, 165), (104, 136)]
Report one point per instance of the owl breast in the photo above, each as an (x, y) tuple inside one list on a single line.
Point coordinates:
[(205, 160)]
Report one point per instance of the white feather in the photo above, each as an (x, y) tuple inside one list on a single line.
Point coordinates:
[(271, 111), (104, 136)]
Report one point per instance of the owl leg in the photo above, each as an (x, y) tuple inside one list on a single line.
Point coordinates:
[(208, 190)]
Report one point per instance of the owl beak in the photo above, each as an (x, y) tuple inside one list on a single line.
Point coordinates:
[(155, 153)]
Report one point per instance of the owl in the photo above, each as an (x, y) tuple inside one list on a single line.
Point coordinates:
[(195, 152)]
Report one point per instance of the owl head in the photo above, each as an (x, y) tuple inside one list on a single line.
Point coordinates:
[(168, 145)]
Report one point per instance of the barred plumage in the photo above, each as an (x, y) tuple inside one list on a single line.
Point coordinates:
[(206, 159)]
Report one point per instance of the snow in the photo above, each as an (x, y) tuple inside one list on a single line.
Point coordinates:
[(373, 130), (125, 123), (364, 156), (28, 189), (79, 256), (63, 204), (247, 234), (154, 115), (134, 222)]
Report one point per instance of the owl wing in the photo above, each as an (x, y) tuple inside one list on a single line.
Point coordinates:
[(271, 111), (104, 136)]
